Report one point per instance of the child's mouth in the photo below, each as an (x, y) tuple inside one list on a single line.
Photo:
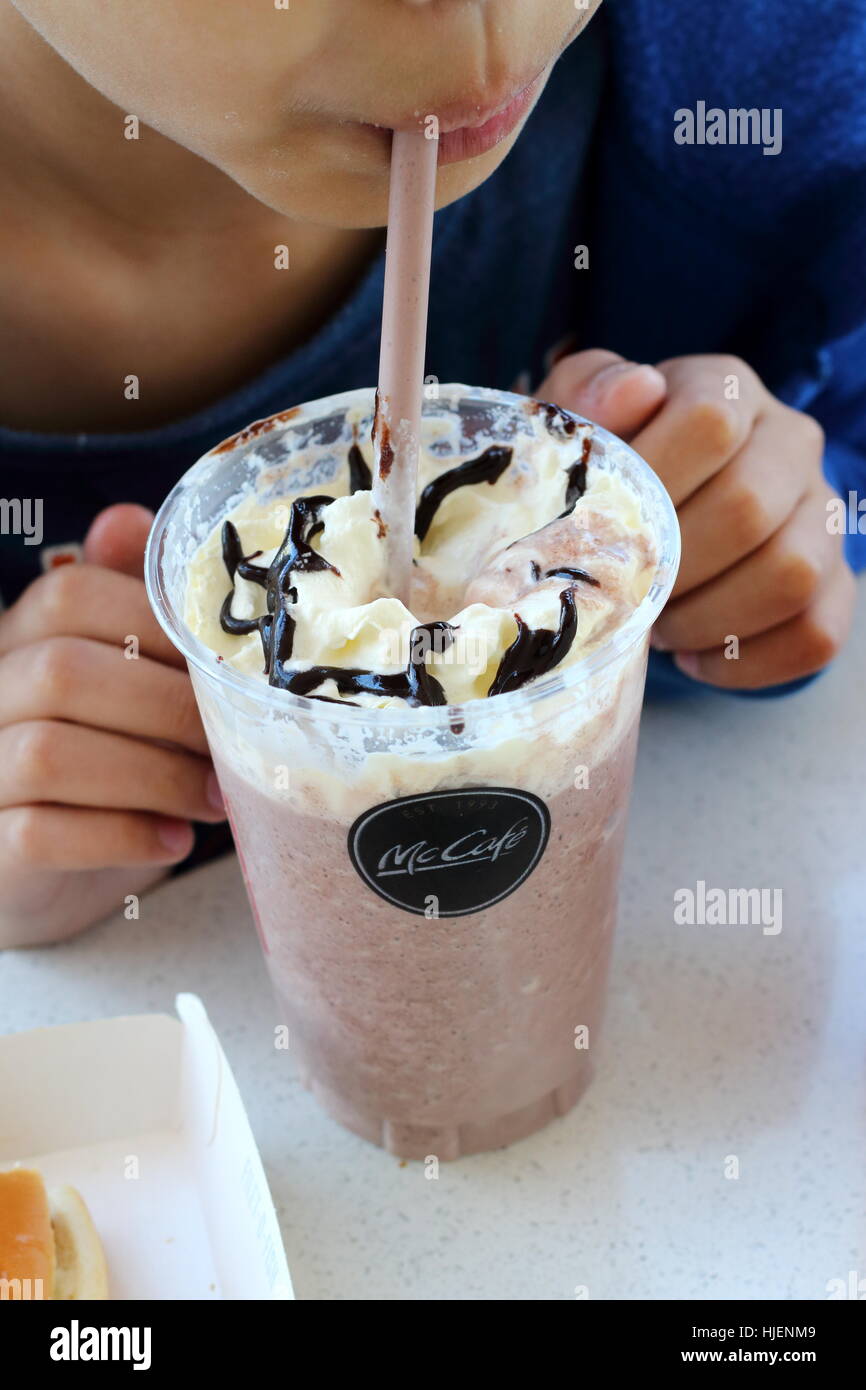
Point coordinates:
[(469, 141), (466, 133)]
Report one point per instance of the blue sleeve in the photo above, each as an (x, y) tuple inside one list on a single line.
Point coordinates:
[(665, 681), (845, 468), (841, 408)]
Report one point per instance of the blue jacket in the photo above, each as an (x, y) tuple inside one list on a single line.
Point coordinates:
[(722, 247), (762, 255)]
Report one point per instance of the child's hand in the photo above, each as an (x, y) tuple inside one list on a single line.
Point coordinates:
[(759, 564), (92, 807)]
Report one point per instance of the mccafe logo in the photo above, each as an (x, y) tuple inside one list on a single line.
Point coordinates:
[(450, 853), (476, 847)]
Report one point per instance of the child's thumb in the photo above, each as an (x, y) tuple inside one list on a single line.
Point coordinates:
[(117, 537), (619, 395)]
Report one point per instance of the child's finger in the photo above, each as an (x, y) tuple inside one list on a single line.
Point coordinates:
[(741, 507), (699, 430), (86, 601), (117, 538), (773, 584), (51, 761), (65, 837), (87, 682), (797, 648), (617, 394)]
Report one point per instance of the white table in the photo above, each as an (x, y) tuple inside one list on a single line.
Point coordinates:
[(719, 1041)]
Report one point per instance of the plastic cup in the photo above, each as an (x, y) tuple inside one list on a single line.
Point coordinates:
[(435, 889)]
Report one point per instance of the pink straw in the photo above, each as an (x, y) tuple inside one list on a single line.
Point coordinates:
[(397, 426)]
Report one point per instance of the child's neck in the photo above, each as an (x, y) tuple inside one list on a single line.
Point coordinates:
[(142, 252)]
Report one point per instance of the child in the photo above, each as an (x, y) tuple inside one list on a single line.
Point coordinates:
[(194, 199)]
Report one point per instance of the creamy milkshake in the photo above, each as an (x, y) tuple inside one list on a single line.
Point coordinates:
[(428, 798)]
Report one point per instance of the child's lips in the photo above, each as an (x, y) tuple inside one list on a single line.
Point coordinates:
[(466, 132), (470, 140)]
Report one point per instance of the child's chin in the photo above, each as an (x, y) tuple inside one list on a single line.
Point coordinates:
[(358, 198)]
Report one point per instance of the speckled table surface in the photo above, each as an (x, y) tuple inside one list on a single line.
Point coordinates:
[(722, 1043)]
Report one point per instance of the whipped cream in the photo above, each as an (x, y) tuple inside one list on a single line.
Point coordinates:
[(513, 577)]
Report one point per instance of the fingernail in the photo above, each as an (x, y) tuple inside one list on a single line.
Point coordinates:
[(689, 663), (658, 643), (214, 795), (608, 376), (176, 835), (602, 379)]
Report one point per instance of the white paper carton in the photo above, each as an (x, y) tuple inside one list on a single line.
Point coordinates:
[(144, 1117)]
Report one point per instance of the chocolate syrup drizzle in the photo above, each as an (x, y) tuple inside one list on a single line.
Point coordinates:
[(576, 485), (381, 433), (567, 572), (415, 685), (360, 477), (532, 653), (535, 651), (276, 627), (487, 468), (556, 419), (564, 572)]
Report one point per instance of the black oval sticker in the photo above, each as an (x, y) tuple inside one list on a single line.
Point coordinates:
[(448, 853)]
